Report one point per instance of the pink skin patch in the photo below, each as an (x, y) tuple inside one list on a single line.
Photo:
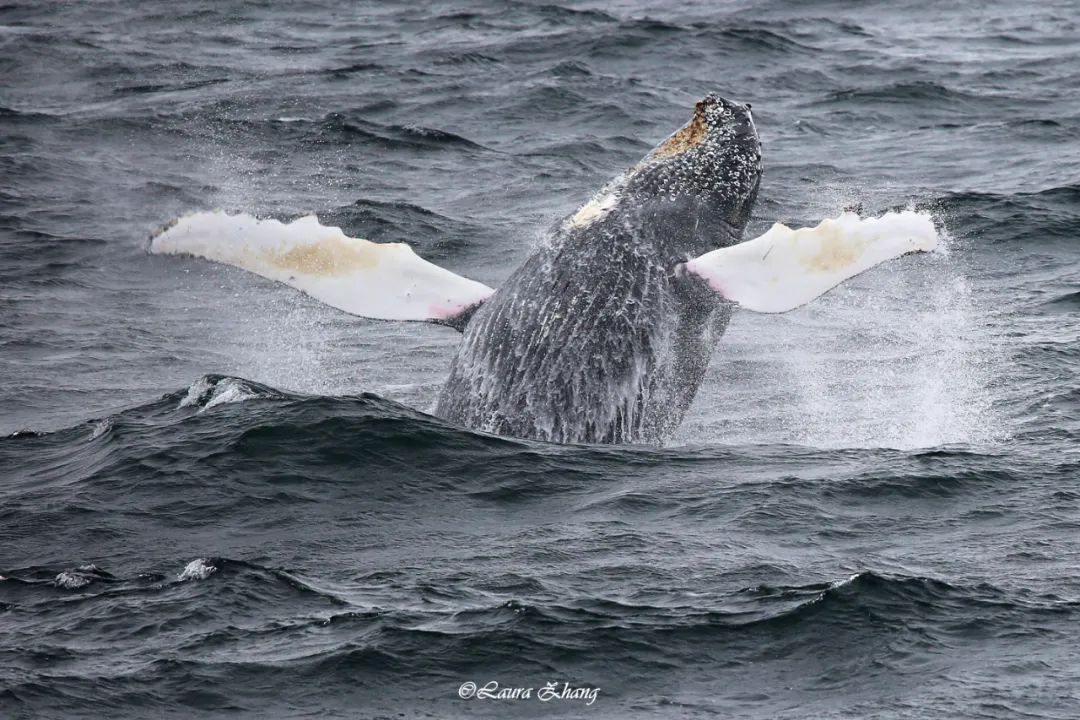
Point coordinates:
[(444, 311), (692, 267)]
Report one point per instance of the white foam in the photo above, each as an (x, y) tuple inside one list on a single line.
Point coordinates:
[(101, 427), (229, 390), (71, 581), (835, 584), (75, 579), (195, 391), (210, 393), (197, 569)]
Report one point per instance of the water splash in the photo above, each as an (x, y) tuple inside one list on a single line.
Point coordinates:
[(897, 358)]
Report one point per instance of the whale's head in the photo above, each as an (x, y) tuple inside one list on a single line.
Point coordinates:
[(698, 186), (713, 163)]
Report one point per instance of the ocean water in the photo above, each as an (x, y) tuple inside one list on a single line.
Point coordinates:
[(219, 498)]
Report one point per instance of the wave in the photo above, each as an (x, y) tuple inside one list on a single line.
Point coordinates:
[(204, 437), (214, 427), (36, 588), (267, 616), (410, 136), (209, 391), (1067, 194), (346, 72), (12, 115), (770, 39), (440, 236), (928, 94), (468, 58), (1033, 218), (1067, 301)]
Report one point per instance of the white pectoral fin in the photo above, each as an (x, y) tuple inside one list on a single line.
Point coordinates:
[(784, 268), (384, 281)]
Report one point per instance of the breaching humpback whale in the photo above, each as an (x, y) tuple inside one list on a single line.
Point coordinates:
[(603, 335)]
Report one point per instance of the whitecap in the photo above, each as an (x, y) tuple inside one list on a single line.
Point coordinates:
[(79, 577), (228, 391), (846, 581), (71, 580), (195, 391), (208, 392), (197, 569), (101, 427)]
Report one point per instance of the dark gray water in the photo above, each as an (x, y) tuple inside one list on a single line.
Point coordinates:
[(871, 511)]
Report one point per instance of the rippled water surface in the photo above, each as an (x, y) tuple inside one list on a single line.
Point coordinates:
[(220, 498)]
